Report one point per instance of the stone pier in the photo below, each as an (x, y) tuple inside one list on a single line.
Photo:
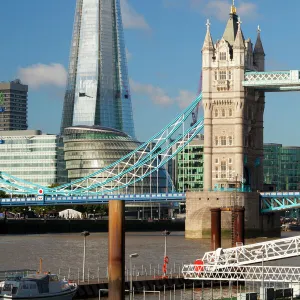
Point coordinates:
[(198, 221)]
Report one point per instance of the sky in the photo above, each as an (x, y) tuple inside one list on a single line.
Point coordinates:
[(163, 42)]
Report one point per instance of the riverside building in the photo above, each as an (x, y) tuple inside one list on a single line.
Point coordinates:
[(281, 167), (29, 155), (189, 166)]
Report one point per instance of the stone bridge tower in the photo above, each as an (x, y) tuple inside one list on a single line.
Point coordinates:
[(233, 115), (233, 135)]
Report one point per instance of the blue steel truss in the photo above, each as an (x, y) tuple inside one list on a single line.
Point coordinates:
[(279, 201), (150, 157)]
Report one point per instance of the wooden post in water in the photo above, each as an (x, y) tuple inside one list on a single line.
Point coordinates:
[(116, 250), (215, 228)]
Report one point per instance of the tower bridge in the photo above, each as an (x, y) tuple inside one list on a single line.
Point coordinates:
[(234, 82)]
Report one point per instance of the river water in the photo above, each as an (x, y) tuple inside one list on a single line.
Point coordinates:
[(62, 253)]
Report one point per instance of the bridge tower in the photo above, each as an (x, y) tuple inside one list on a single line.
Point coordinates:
[(233, 115), (233, 134)]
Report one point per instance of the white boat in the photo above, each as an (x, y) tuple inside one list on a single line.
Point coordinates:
[(37, 287)]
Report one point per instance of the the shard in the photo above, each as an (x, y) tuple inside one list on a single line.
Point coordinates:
[(97, 90)]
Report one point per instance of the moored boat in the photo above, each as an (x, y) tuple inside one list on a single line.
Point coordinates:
[(37, 287)]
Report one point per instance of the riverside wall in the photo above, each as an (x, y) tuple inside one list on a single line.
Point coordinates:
[(40, 226)]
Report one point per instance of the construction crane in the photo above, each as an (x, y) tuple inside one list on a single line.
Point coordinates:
[(196, 110), (236, 263)]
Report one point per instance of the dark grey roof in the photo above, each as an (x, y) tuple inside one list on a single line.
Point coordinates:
[(231, 29)]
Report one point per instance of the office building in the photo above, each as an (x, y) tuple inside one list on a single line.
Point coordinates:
[(97, 91), (29, 155), (13, 105), (189, 166), (281, 167)]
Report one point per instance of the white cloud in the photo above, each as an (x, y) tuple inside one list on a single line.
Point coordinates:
[(156, 94), (220, 8), (160, 97), (39, 74), (132, 19), (185, 98), (128, 54)]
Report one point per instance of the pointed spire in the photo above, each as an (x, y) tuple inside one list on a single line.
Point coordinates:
[(231, 27), (258, 49), (239, 42), (208, 42)]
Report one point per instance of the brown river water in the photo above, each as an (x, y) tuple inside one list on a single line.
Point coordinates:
[(63, 253)]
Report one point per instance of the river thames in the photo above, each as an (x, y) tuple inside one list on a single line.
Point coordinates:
[(61, 252)]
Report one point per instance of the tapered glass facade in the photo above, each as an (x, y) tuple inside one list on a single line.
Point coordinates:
[(97, 91)]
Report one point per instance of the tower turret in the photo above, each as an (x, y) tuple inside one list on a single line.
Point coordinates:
[(259, 53), (239, 46), (208, 54)]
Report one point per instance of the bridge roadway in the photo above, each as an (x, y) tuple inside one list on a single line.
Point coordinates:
[(270, 201), (43, 200)]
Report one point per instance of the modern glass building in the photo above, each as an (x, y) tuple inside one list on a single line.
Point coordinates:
[(282, 167), (29, 155), (189, 166), (91, 148), (97, 91)]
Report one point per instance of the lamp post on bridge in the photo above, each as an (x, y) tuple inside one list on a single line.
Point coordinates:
[(262, 252), (133, 255)]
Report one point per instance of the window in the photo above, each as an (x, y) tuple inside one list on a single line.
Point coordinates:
[(223, 113), (216, 160), (230, 140), (222, 75), (216, 141), (223, 166), (229, 75), (230, 172), (216, 75), (216, 113), (223, 140), (230, 112), (223, 169), (222, 55), (230, 160)]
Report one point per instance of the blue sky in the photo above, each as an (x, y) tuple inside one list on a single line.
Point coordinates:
[(164, 40)]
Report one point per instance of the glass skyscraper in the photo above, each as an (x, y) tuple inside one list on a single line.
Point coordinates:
[(97, 90)]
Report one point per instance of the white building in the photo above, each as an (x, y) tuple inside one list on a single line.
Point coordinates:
[(29, 155), (70, 214)]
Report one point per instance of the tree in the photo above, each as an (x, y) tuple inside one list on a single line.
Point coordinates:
[(3, 194)]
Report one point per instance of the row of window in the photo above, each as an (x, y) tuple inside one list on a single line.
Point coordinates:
[(229, 161), (223, 75), (223, 140), (223, 112)]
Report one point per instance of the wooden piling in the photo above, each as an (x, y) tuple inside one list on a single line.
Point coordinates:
[(116, 250)]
